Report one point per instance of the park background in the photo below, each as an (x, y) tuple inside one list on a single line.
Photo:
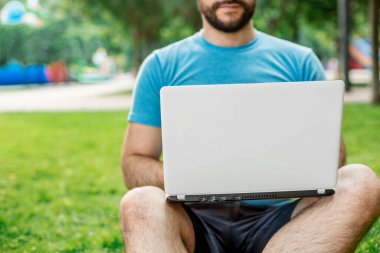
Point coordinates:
[(60, 178)]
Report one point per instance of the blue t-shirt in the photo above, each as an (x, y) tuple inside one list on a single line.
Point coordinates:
[(195, 61)]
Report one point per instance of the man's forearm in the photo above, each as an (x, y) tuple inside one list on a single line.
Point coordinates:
[(142, 171)]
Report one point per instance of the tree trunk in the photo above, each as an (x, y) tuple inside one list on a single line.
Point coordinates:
[(344, 34), (137, 43), (374, 10)]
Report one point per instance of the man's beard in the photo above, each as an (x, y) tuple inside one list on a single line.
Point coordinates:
[(232, 26)]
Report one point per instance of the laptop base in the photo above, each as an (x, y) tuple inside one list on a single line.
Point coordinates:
[(250, 196)]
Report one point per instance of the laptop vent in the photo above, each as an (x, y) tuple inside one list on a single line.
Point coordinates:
[(260, 196)]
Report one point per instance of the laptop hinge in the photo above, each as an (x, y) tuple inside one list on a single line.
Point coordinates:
[(181, 197)]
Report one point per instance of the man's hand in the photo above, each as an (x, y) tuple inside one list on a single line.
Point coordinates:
[(140, 158)]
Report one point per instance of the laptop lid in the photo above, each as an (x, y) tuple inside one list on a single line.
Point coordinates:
[(251, 140)]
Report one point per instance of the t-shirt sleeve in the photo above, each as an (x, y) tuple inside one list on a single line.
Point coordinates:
[(146, 96), (312, 68)]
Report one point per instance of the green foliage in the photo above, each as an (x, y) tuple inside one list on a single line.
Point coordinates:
[(46, 44), (131, 29), (60, 181), (149, 24), (152, 24), (10, 42), (310, 23), (65, 35)]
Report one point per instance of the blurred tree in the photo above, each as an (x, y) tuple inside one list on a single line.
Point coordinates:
[(132, 15), (310, 23), (66, 34), (149, 24), (306, 22), (47, 44), (135, 27)]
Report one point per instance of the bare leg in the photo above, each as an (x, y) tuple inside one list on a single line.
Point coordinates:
[(150, 224), (336, 223)]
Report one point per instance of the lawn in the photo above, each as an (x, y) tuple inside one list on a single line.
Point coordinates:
[(60, 181)]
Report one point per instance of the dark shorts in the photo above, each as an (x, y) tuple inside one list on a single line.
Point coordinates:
[(234, 226)]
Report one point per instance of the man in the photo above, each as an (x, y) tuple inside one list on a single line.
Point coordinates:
[(229, 50)]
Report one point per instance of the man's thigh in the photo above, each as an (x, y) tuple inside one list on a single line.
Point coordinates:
[(345, 216), (303, 204)]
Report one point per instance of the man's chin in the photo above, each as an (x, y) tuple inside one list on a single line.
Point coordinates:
[(229, 20), (227, 23)]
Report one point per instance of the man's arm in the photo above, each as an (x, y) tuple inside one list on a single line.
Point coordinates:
[(342, 153), (140, 158)]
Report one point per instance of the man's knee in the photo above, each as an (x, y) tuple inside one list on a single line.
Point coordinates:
[(361, 176), (361, 185), (139, 203)]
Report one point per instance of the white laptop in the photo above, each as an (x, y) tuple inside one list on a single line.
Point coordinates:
[(251, 141)]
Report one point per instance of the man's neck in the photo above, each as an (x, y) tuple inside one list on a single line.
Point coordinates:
[(216, 37)]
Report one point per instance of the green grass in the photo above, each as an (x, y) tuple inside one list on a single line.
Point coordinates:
[(361, 130), (60, 181)]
